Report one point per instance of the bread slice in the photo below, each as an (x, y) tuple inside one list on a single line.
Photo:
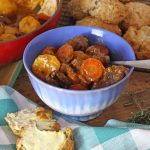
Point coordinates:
[(27, 117), (34, 139)]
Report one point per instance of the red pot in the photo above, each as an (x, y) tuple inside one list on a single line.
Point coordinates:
[(13, 50)]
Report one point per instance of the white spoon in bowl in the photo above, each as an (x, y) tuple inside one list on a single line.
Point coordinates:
[(143, 64)]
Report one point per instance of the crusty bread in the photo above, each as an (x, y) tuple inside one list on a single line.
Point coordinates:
[(75, 9), (139, 40), (91, 21), (138, 15), (49, 140), (26, 117), (109, 11)]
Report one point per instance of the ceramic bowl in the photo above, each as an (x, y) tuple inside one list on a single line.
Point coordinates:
[(79, 105)]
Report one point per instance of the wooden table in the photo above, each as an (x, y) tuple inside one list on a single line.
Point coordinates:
[(139, 84)]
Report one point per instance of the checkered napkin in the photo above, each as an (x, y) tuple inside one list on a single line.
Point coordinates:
[(115, 135)]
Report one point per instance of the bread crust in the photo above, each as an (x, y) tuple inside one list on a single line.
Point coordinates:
[(138, 15), (75, 9), (109, 11), (91, 21), (139, 40)]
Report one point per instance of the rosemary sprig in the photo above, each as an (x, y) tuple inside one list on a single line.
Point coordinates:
[(143, 115)]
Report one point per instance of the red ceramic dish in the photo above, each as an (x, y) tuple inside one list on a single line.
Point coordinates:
[(13, 50)]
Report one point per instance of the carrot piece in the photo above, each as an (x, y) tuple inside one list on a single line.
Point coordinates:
[(77, 87), (65, 53), (42, 17), (92, 69)]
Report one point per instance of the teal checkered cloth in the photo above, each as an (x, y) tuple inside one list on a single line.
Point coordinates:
[(115, 135)]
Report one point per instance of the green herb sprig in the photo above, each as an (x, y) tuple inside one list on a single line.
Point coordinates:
[(142, 116)]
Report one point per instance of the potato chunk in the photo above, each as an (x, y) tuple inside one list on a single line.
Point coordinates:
[(8, 7), (28, 24)]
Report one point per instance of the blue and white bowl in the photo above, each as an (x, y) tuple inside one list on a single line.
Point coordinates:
[(80, 105)]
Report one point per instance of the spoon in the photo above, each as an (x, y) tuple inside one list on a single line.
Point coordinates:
[(143, 64)]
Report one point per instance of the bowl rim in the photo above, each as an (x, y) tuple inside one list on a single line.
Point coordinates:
[(77, 91), (40, 27)]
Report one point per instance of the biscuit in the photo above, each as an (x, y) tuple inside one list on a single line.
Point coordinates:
[(139, 40), (108, 11), (138, 15), (90, 21), (75, 9), (26, 117), (49, 140)]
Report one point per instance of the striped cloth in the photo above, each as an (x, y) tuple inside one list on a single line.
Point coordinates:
[(115, 135)]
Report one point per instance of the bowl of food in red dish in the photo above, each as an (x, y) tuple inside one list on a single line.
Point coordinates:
[(70, 70), (20, 21)]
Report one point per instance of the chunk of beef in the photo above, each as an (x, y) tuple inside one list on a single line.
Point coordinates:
[(99, 51), (79, 43), (111, 75)]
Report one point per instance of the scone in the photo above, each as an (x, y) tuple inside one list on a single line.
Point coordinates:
[(90, 21), (138, 15), (108, 11), (139, 40), (47, 140), (75, 9), (26, 117)]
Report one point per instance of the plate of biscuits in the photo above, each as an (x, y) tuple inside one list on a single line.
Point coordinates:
[(35, 128), (127, 18)]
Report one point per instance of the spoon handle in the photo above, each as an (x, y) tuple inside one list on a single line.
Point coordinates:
[(145, 64)]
